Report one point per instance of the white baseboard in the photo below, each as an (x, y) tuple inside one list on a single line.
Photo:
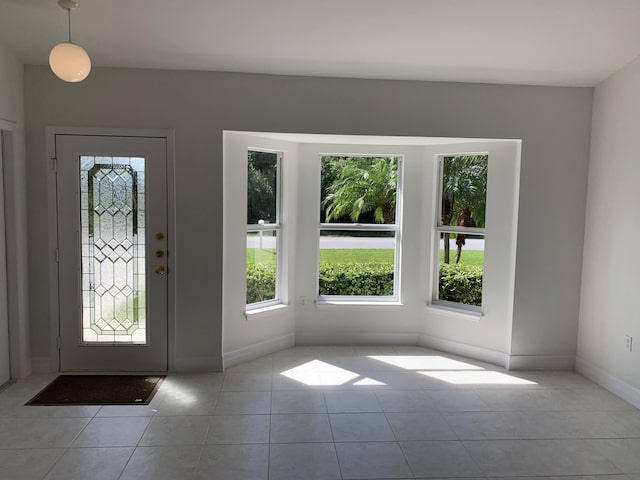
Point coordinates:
[(541, 362), (612, 383), (211, 363), (256, 350), (357, 338), (42, 365), (464, 349)]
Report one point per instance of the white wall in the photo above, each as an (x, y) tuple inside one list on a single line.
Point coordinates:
[(12, 120), (553, 123), (610, 277), (493, 331), (247, 336)]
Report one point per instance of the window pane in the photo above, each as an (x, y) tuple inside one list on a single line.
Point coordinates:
[(262, 265), (262, 187), (112, 206), (463, 196), (357, 263), (358, 189), (461, 268)]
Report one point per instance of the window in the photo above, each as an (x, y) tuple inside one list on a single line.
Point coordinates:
[(460, 230), (263, 228), (359, 227)]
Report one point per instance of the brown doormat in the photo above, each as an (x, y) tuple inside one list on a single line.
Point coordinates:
[(99, 390)]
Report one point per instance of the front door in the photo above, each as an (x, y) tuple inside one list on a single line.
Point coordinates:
[(112, 252)]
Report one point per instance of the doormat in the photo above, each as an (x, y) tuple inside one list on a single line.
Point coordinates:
[(99, 390)]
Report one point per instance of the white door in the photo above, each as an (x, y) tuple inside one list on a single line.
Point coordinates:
[(112, 252), (4, 312)]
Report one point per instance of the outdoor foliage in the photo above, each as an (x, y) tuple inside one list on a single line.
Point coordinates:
[(463, 196), (359, 186), (262, 175), (458, 283), (369, 279), (261, 283), (461, 284)]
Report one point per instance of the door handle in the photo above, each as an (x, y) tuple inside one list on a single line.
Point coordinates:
[(160, 270)]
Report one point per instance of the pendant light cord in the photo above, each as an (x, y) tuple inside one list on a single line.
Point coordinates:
[(69, 17)]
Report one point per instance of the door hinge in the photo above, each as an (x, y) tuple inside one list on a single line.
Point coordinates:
[(54, 164), (58, 343), (56, 255)]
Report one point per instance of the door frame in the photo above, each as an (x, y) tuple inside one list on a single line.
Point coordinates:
[(54, 311), (15, 193)]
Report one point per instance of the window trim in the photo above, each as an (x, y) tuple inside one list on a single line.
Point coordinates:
[(270, 227), (438, 228), (337, 300)]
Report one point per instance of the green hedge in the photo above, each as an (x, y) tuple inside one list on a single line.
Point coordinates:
[(458, 283), (461, 284), (261, 282), (374, 279)]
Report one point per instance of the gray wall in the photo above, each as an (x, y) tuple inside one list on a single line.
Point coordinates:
[(12, 117), (554, 124), (609, 302), (11, 87)]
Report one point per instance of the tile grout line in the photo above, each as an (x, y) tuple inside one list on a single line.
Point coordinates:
[(404, 455), (333, 440)]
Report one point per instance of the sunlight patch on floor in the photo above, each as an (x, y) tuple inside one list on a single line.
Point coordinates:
[(478, 378), (317, 372), (424, 362)]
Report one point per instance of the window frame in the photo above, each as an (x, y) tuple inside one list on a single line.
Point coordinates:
[(364, 227), (269, 227), (453, 229)]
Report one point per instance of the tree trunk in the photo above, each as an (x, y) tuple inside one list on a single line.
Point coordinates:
[(389, 214), (459, 243), (447, 211), (446, 247), (464, 220)]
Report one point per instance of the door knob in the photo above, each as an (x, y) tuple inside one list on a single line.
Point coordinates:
[(160, 254), (160, 236), (160, 270)]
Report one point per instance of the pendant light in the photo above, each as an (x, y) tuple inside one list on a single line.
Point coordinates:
[(70, 62)]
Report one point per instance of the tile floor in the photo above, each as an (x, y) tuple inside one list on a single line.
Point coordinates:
[(332, 413)]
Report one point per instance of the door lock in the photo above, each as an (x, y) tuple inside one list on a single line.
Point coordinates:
[(160, 270)]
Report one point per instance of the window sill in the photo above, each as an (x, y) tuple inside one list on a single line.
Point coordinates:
[(460, 313), (260, 312), (323, 303)]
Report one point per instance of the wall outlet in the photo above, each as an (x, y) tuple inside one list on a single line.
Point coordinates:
[(302, 301), (628, 345)]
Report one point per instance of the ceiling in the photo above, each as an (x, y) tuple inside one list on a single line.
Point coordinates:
[(535, 42)]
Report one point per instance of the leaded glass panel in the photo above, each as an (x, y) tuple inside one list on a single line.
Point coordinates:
[(112, 202)]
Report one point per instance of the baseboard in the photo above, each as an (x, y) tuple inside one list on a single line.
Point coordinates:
[(211, 363), (256, 350), (356, 338), (612, 383), (541, 362), (464, 349), (42, 365)]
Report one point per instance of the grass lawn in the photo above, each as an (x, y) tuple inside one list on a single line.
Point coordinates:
[(468, 257), (360, 255)]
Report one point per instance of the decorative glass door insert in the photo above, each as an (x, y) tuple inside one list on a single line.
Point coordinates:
[(113, 249)]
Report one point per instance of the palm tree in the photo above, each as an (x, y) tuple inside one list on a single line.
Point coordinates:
[(464, 199), (363, 185)]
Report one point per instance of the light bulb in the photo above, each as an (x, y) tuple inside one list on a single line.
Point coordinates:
[(70, 62)]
